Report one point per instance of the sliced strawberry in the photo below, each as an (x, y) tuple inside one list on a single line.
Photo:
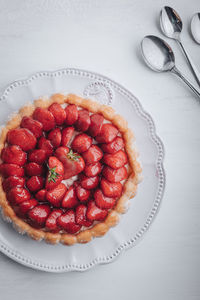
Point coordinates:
[(72, 162), (83, 122), (71, 114), (81, 143), (35, 183), (113, 175), (92, 155), (39, 214), (89, 183), (11, 170), (55, 173), (70, 200), (102, 201), (25, 206), (82, 194), (13, 181), (33, 169), (22, 137), (58, 113), (45, 117), (67, 222), (96, 124), (46, 145), (51, 222), (41, 195), (56, 195), (17, 195), (13, 155), (107, 134), (116, 145), (55, 137), (81, 216), (37, 156), (94, 213), (93, 169), (113, 190), (67, 134), (34, 126), (116, 160)]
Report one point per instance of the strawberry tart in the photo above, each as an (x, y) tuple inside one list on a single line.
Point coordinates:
[(67, 169)]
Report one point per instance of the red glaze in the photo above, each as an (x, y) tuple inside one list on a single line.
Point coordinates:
[(71, 114), (113, 175), (81, 216), (113, 190), (13, 181), (23, 138), (39, 214), (51, 222), (55, 137), (70, 199), (67, 222), (94, 213), (107, 134), (56, 195), (81, 143), (11, 170), (35, 183), (25, 206), (116, 145), (96, 124), (37, 156), (116, 160), (67, 134), (34, 126), (45, 117), (102, 201), (17, 195), (92, 155), (55, 173), (41, 195), (58, 113), (13, 155), (93, 169), (89, 183), (46, 145), (33, 169), (83, 122), (82, 194)]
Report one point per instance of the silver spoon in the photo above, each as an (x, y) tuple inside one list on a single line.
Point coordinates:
[(171, 25), (195, 27), (159, 56)]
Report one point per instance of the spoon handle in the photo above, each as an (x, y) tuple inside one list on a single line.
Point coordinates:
[(180, 75), (191, 64)]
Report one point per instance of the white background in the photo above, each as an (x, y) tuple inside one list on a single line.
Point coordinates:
[(104, 36)]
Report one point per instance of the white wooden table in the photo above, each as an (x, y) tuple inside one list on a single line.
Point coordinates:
[(104, 36)]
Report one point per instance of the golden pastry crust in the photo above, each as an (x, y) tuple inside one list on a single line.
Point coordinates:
[(129, 188)]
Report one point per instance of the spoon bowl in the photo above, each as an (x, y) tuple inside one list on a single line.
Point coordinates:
[(170, 23), (195, 27)]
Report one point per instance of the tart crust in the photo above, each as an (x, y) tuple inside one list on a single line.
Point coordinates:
[(129, 188)]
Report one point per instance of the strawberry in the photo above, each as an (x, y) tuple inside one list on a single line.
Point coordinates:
[(37, 156), (83, 122), (71, 114), (93, 169), (23, 138), (51, 221), (96, 124), (107, 134), (82, 194), (70, 200), (116, 160), (13, 155), (39, 214), (102, 201), (73, 163), (81, 216), (55, 173), (33, 169), (35, 183), (113, 175), (55, 137), (46, 145), (113, 190), (11, 170), (45, 117), (56, 195), (58, 113), (41, 195), (17, 195), (89, 183), (13, 181), (25, 206), (92, 155), (116, 145), (81, 143), (34, 126), (67, 222), (67, 134), (94, 213)]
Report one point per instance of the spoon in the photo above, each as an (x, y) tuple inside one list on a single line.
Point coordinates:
[(171, 25), (195, 27), (159, 56)]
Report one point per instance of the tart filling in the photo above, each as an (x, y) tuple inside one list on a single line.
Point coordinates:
[(67, 169)]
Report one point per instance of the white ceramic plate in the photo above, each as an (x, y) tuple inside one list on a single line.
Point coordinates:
[(144, 206)]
